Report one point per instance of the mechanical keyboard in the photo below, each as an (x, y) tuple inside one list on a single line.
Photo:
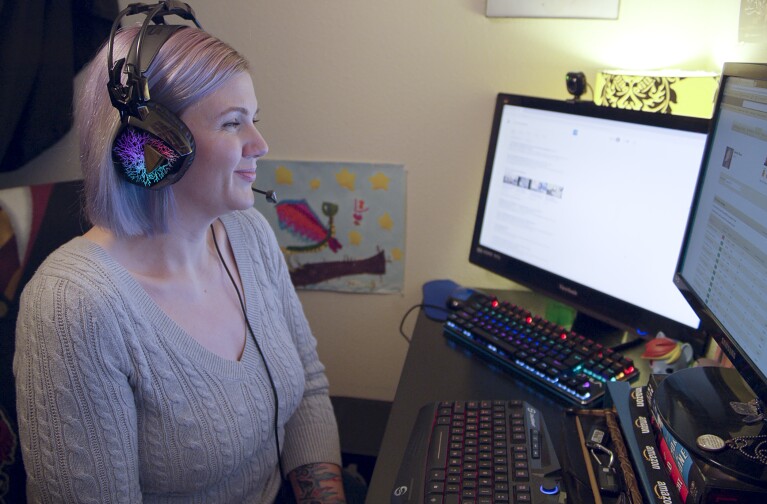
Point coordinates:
[(478, 452), (571, 365)]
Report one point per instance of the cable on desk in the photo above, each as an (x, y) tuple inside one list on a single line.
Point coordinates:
[(420, 305)]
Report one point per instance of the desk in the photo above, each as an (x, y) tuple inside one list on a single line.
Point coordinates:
[(436, 369)]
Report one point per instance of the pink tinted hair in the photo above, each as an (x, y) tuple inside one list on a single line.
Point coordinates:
[(189, 66)]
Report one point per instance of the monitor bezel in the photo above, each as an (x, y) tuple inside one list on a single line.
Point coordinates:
[(617, 313), (709, 322)]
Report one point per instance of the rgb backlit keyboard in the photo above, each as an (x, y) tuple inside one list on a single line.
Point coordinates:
[(564, 362), (478, 452)]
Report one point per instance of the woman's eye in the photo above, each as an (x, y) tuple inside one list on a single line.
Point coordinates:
[(231, 124)]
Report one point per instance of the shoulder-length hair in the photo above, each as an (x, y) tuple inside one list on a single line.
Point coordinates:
[(190, 65)]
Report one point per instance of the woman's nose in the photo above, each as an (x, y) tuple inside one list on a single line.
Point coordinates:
[(256, 146)]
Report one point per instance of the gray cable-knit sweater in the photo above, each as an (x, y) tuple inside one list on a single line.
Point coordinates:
[(117, 403)]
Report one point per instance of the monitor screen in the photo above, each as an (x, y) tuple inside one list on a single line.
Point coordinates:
[(588, 205), (722, 268)]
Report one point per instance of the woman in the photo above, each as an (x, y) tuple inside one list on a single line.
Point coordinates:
[(153, 351)]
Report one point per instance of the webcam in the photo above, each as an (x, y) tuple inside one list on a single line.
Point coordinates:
[(576, 84)]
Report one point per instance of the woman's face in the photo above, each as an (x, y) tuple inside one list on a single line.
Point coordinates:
[(227, 146)]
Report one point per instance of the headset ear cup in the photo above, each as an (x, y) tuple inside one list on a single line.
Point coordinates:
[(155, 151)]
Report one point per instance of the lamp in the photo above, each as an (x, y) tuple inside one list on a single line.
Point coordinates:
[(667, 91)]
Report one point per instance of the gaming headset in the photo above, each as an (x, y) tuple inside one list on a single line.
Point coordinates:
[(152, 148)]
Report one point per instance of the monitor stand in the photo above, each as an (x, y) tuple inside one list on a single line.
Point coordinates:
[(604, 333)]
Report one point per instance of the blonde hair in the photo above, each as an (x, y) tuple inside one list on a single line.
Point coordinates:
[(189, 66)]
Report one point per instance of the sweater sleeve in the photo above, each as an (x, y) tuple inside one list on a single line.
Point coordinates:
[(311, 434), (77, 417)]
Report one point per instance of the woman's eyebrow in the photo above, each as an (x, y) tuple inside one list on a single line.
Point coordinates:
[(240, 110)]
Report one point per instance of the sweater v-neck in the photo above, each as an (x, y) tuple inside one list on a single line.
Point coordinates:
[(169, 329)]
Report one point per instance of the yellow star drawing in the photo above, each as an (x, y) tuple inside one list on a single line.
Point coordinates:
[(379, 181), (386, 222), (355, 238), (346, 179), (283, 175), (396, 254), (314, 184)]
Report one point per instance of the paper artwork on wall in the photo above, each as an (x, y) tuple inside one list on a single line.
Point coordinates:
[(587, 9), (753, 21), (341, 226)]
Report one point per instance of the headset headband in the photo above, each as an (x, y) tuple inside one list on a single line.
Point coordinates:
[(130, 98)]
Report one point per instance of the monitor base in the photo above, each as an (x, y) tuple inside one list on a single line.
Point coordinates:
[(604, 333)]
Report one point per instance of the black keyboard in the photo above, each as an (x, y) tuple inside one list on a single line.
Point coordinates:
[(564, 362), (478, 452)]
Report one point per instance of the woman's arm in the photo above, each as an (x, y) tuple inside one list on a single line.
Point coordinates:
[(311, 433), (76, 409), (318, 484), (311, 452)]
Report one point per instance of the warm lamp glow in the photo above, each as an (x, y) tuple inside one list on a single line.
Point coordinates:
[(668, 91)]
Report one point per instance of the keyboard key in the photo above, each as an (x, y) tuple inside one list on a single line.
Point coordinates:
[(438, 448), (435, 487)]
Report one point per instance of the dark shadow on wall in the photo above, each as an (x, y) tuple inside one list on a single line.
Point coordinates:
[(44, 217)]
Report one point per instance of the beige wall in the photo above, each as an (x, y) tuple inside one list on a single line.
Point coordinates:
[(414, 82)]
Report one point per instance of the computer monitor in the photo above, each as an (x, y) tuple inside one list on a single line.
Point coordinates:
[(588, 205), (722, 268)]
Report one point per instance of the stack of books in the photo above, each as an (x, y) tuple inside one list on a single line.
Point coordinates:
[(641, 442), (668, 471)]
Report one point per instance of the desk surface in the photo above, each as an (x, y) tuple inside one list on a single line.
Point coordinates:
[(436, 369)]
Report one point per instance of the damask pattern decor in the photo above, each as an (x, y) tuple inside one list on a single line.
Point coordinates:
[(672, 92)]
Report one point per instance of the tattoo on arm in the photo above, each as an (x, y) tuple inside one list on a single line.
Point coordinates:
[(318, 484)]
